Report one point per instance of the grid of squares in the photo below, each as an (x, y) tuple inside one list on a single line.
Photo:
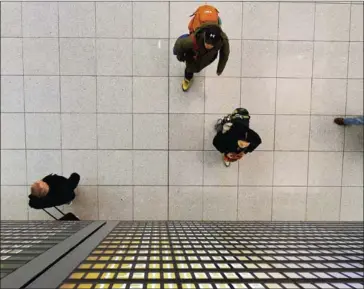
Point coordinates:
[(21, 242), (93, 87), (224, 255)]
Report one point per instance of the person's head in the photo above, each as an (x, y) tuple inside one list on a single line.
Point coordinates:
[(39, 189), (212, 36)]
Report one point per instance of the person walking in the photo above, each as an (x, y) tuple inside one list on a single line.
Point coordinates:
[(359, 120), (234, 138), (203, 44)]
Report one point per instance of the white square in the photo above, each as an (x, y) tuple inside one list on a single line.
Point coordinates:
[(325, 136), (231, 16), (12, 131), (40, 19), (79, 131), (114, 19), (42, 94), (78, 56), (14, 201), (328, 96), (259, 58), (356, 30), (258, 95), (354, 103), (356, 60), (325, 169), (13, 168), (114, 56), (11, 19), (150, 94), (115, 202), (255, 203), (216, 173), (43, 130), (290, 168), (289, 203), (351, 204), (83, 162), (295, 59), (353, 169), (330, 60), (114, 94), (12, 94), (296, 21), (150, 203), (150, 131), (323, 203), (354, 138), (185, 168), (263, 125), (260, 20), (293, 96), (150, 57), (11, 56), (77, 19), (220, 203), (332, 21), (150, 168), (181, 125), (292, 132), (78, 94), (222, 95), (150, 20), (185, 203), (115, 167), (114, 131), (256, 169)]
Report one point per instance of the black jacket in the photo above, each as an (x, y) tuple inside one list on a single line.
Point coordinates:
[(228, 142), (61, 191)]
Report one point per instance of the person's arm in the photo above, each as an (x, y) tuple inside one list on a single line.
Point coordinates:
[(183, 47), (223, 54), (73, 181), (218, 143), (254, 141)]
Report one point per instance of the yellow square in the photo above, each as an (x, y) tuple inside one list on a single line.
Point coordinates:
[(77, 275), (196, 266), (97, 252), (154, 275), (170, 286), (107, 275), (109, 252), (92, 276), (140, 266), (168, 266), (200, 276), (85, 266), (205, 286), (67, 286), (154, 258), (129, 258), (188, 286), (136, 286), (154, 266), (185, 275), (123, 276), (84, 286), (117, 258), (104, 258), (222, 286), (91, 258), (182, 266), (102, 286), (118, 286), (138, 276), (99, 266), (153, 286), (169, 276), (126, 266)]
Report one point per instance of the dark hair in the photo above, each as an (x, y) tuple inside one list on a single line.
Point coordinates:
[(212, 34)]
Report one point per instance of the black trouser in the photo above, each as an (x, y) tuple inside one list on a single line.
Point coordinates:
[(188, 75)]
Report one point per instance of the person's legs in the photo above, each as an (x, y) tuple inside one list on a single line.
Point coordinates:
[(186, 83), (354, 120), (188, 75)]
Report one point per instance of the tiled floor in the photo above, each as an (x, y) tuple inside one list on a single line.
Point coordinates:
[(94, 88)]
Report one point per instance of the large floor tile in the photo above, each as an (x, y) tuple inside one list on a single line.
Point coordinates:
[(216, 173), (292, 132), (83, 162), (255, 203), (85, 205), (290, 168), (150, 168), (45, 161), (222, 95), (11, 56), (351, 204), (114, 94), (323, 203), (11, 19), (115, 167), (356, 60), (289, 203), (258, 95), (150, 203), (185, 168), (14, 203), (325, 169), (263, 125), (13, 167), (78, 94), (185, 203), (150, 131), (181, 125), (232, 17), (355, 101), (12, 131), (356, 22), (42, 94), (353, 169), (260, 20), (354, 138), (79, 131), (12, 94), (220, 203), (114, 131), (325, 135), (43, 130), (256, 169), (115, 203)]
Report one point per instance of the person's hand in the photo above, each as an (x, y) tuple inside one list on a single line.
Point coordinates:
[(218, 73), (181, 58)]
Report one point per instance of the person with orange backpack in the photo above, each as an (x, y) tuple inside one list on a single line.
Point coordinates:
[(201, 46)]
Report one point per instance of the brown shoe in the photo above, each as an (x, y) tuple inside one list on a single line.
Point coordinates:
[(339, 121)]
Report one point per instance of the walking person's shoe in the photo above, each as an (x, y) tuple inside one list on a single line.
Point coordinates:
[(225, 161), (339, 121), (186, 84)]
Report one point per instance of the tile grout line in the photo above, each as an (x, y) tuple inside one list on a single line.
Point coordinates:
[(60, 88), (132, 109), (310, 120), (168, 105)]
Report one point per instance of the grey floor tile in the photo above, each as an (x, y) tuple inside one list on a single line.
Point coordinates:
[(13, 167), (220, 203), (210, 133), (216, 173), (256, 169), (323, 203), (354, 138), (354, 104), (351, 204), (289, 203), (325, 135), (12, 94), (356, 60), (263, 125), (115, 203), (325, 169), (14, 203), (255, 203), (11, 19), (11, 56), (85, 205), (353, 169), (12, 131), (185, 203), (290, 168), (185, 168), (150, 203)]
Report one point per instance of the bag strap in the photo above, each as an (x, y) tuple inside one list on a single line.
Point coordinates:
[(59, 211), (49, 214), (194, 41)]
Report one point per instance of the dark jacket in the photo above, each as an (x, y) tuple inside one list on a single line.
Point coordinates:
[(61, 191), (184, 49), (228, 142)]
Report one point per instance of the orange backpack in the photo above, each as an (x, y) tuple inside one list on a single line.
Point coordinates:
[(203, 14)]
